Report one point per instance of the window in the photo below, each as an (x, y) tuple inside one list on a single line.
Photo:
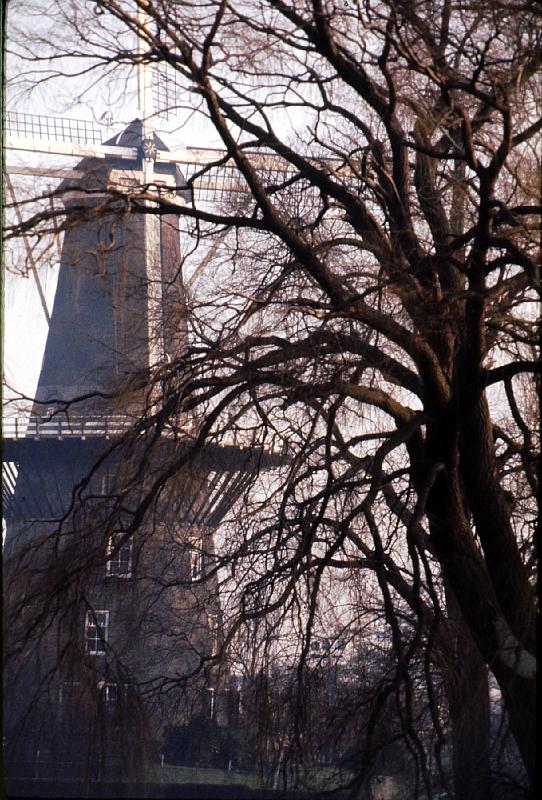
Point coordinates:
[(111, 694), (195, 559), (320, 646), (119, 557), (96, 632), (108, 693), (211, 702), (212, 624)]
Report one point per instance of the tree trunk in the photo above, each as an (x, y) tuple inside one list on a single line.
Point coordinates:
[(467, 687), (488, 606)]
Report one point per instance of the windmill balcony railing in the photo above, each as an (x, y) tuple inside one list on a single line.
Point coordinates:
[(26, 426), (60, 425)]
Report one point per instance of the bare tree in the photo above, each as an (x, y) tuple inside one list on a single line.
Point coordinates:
[(371, 311)]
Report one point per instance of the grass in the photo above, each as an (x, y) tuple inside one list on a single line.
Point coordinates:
[(315, 778), (170, 773)]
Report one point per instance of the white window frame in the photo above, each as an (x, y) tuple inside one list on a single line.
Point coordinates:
[(108, 693), (195, 559), (111, 694), (212, 624), (123, 555), (211, 694), (96, 645)]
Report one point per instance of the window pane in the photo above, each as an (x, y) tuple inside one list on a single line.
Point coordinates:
[(96, 630), (120, 561)]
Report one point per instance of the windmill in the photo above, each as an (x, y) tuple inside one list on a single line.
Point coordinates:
[(213, 176), (67, 137), (108, 323)]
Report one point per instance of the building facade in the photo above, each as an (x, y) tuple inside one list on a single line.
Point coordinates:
[(111, 616)]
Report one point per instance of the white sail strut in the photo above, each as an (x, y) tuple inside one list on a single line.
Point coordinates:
[(151, 221)]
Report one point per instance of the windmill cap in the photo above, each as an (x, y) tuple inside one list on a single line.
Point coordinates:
[(132, 136)]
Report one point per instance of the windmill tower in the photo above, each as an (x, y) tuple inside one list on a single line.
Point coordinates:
[(107, 617)]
